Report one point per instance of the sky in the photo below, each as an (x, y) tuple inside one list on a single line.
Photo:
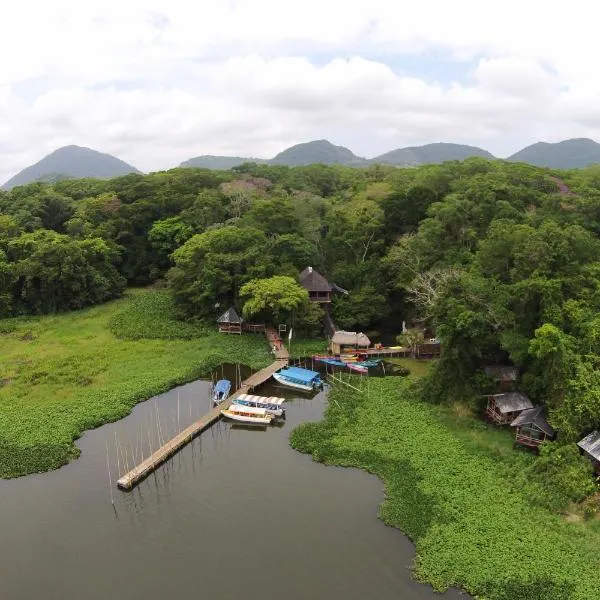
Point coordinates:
[(156, 82)]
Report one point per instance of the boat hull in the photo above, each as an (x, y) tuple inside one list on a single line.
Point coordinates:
[(256, 420), (292, 384)]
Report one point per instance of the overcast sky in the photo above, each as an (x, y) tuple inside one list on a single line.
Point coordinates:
[(156, 82)]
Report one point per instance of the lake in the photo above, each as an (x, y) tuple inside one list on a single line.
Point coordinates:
[(237, 514)]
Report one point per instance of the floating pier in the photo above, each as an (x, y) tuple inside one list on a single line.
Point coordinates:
[(129, 480)]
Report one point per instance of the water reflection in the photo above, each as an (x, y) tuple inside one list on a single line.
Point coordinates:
[(233, 495)]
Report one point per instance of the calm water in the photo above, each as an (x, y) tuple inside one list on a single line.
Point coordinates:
[(237, 514)]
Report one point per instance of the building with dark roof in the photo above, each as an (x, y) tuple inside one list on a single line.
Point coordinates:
[(230, 321), (318, 288), (590, 445), (532, 428), (502, 409)]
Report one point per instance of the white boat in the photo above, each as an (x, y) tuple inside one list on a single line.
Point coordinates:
[(272, 404), (299, 379), (247, 414)]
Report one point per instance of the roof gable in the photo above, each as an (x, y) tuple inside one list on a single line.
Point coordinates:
[(534, 416), (230, 316), (501, 372), (511, 402), (313, 281), (591, 444)]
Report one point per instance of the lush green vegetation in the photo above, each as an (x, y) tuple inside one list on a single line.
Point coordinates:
[(63, 374), (456, 487)]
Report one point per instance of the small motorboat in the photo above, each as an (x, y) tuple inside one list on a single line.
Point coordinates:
[(248, 414), (221, 390)]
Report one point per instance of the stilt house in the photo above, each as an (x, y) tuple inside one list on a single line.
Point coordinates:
[(230, 322), (348, 341), (318, 288), (532, 428), (504, 375), (590, 445), (502, 409)]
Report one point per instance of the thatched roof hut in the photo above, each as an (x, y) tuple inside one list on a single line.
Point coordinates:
[(344, 340)]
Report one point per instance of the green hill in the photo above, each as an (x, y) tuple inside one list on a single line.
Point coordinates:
[(568, 154), (71, 162), (430, 153), (318, 151), (209, 161)]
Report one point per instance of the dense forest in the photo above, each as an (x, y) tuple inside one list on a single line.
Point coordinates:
[(501, 260)]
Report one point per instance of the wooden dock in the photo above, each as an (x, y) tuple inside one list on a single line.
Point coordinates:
[(129, 480)]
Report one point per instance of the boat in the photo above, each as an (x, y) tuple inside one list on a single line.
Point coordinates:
[(247, 414), (358, 368), (271, 404), (221, 390), (328, 360), (298, 378)]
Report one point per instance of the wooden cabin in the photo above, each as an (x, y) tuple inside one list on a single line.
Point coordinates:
[(348, 341), (502, 409), (532, 428), (590, 445), (318, 288), (505, 376), (230, 322)]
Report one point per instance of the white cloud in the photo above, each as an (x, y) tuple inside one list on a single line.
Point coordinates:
[(157, 82)]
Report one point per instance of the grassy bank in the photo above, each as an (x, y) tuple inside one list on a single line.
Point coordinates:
[(453, 486), (63, 374)]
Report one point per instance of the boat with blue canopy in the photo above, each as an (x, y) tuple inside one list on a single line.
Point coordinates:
[(221, 390), (298, 378)]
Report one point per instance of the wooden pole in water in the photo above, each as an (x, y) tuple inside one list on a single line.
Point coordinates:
[(178, 419), (117, 452), (112, 499)]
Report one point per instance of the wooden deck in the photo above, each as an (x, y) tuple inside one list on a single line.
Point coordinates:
[(129, 480)]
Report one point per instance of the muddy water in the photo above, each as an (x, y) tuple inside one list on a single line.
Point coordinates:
[(237, 514)]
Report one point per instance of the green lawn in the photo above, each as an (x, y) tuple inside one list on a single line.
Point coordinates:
[(63, 374), (454, 486)]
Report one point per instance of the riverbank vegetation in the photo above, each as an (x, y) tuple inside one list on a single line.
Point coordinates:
[(63, 374), (469, 502)]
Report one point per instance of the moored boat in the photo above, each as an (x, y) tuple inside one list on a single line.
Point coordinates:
[(221, 390), (247, 414), (298, 378), (272, 404)]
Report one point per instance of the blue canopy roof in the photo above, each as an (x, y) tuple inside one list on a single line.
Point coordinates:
[(223, 385), (304, 375)]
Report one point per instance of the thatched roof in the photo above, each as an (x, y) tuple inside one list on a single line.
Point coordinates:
[(591, 444), (511, 402), (351, 338), (313, 281), (230, 316), (534, 416), (501, 373)]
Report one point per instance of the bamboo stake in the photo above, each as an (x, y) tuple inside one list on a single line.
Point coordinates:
[(112, 499), (117, 452)]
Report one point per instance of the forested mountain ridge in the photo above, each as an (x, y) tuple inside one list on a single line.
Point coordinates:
[(489, 254), (210, 161), (71, 162), (430, 154), (568, 154), (317, 151)]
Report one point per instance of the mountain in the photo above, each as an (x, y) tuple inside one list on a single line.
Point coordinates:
[(208, 161), (430, 153), (318, 151), (71, 162), (568, 154)]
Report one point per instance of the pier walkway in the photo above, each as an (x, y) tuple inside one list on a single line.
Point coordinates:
[(129, 480)]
